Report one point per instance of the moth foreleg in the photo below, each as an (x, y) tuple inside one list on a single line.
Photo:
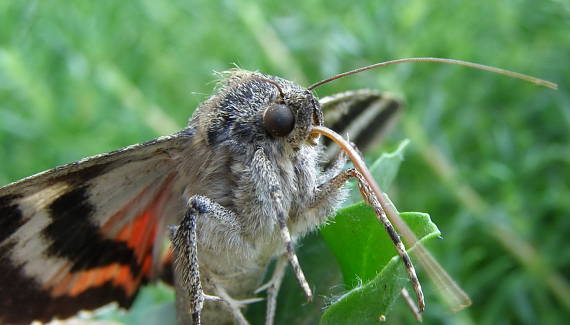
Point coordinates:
[(185, 243), (186, 265), (271, 184), (330, 187)]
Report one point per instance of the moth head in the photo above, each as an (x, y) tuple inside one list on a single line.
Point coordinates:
[(291, 114), (252, 108)]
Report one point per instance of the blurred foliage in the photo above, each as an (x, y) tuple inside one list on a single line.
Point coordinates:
[(488, 158)]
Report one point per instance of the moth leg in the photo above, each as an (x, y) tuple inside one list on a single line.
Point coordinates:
[(235, 305), (272, 288), (264, 166), (413, 308), (185, 243), (326, 189)]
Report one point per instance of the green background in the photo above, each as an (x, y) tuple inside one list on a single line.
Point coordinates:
[(488, 158)]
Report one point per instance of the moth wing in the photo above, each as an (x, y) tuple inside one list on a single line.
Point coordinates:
[(362, 115), (82, 235)]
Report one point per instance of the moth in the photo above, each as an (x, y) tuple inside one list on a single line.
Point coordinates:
[(233, 190)]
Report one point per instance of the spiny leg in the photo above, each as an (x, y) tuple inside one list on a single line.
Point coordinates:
[(272, 288), (184, 240), (381, 216), (335, 183), (185, 243)]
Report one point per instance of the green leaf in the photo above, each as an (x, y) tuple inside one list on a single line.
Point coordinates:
[(368, 263), (360, 243)]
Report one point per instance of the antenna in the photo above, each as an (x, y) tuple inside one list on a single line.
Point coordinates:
[(478, 66)]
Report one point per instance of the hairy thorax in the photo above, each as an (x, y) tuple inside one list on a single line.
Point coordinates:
[(230, 180), (236, 258)]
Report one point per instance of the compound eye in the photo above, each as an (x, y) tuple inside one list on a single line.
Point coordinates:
[(278, 120)]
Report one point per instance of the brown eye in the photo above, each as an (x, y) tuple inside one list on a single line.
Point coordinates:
[(278, 120)]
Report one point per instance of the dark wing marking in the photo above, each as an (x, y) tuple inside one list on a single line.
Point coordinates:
[(362, 115), (82, 235)]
